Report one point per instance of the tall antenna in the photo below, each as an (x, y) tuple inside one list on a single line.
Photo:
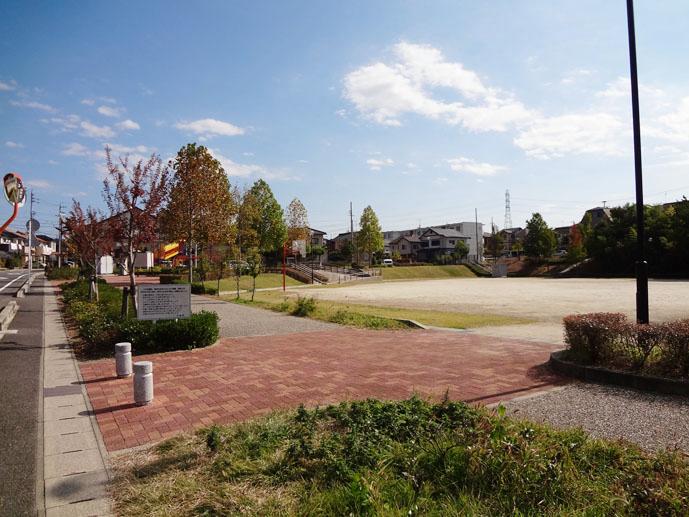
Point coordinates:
[(508, 211)]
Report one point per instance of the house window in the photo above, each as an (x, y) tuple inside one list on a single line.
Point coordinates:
[(435, 243), (452, 242), (404, 246)]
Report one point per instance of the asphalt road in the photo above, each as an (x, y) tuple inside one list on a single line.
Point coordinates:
[(20, 358), (10, 281)]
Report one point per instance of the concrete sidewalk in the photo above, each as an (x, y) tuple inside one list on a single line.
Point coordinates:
[(75, 473)]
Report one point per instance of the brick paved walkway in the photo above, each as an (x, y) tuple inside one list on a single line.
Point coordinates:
[(239, 378)]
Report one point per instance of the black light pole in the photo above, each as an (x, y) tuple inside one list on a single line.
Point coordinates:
[(641, 264)]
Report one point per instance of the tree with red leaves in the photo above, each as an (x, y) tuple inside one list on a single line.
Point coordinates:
[(89, 238), (134, 195)]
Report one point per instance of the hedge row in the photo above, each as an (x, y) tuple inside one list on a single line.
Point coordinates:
[(610, 339), (100, 326), (62, 273)]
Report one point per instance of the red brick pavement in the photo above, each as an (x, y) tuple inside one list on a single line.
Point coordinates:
[(240, 378)]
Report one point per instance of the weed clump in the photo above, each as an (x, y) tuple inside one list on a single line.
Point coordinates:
[(411, 457), (304, 307)]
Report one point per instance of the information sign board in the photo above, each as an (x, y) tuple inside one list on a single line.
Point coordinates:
[(163, 302)]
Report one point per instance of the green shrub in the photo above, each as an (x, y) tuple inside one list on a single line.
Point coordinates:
[(172, 278), (404, 458), (100, 326), (63, 273), (304, 306)]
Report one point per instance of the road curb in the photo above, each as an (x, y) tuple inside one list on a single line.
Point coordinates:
[(601, 375), (7, 314), (21, 292)]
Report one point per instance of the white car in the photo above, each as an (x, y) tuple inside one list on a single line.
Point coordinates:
[(388, 262)]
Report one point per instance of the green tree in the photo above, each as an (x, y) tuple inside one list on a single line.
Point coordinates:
[(254, 264), (267, 219), (201, 208), (370, 236), (540, 240), (496, 241), (461, 250), (518, 248), (297, 221)]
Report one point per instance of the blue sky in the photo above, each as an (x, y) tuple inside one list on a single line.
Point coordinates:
[(424, 110)]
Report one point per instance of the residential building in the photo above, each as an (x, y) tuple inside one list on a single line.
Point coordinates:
[(598, 215), (466, 231), (438, 241), (407, 246), (316, 237)]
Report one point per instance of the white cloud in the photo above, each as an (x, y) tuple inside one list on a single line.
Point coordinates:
[(94, 131), (75, 149), (39, 184), (674, 125), (88, 102), (33, 105), (6, 87), (243, 170), (375, 164), (462, 164), (128, 125), (123, 149), (135, 153), (66, 123), (109, 111), (574, 75), (13, 145), (384, 92), (578, 133), (52, 162), (209, 127)]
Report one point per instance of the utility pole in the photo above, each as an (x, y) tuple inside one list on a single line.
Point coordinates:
[(31, 197), (478, 248), (59, 240), (351, 231), (641, 264)]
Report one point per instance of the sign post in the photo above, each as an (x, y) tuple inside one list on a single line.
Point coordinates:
[(163, 302)]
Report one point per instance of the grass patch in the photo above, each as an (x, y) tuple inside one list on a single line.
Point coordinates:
[(263, 281), (370, 316), (319, 310), (412, 272), (397, 458)]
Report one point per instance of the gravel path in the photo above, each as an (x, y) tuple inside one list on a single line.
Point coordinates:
[(239, 320), (650, 420)]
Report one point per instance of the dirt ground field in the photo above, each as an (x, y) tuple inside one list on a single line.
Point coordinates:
[(544, 300)]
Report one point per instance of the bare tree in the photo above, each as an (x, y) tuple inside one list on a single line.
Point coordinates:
[(134, 195), (88, 237)]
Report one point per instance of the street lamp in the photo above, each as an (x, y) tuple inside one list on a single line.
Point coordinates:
[(641, 264)]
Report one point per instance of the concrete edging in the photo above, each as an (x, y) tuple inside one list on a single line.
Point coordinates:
[(21, 292), (7, 314), (625, 379)]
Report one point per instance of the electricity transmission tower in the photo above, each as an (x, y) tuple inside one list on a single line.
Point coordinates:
[(508, 211)]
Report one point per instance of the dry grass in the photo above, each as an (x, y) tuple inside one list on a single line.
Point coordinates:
[(334, 311)]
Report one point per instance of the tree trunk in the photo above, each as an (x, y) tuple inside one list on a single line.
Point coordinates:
[(253, 290), (132, 280)]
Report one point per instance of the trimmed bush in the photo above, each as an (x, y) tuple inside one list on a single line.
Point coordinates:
[(63, 273), (100, 326), (609, 339), (589, 335)]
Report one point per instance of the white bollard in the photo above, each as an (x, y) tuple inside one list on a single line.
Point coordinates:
[(143, 382), (123, 359)]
